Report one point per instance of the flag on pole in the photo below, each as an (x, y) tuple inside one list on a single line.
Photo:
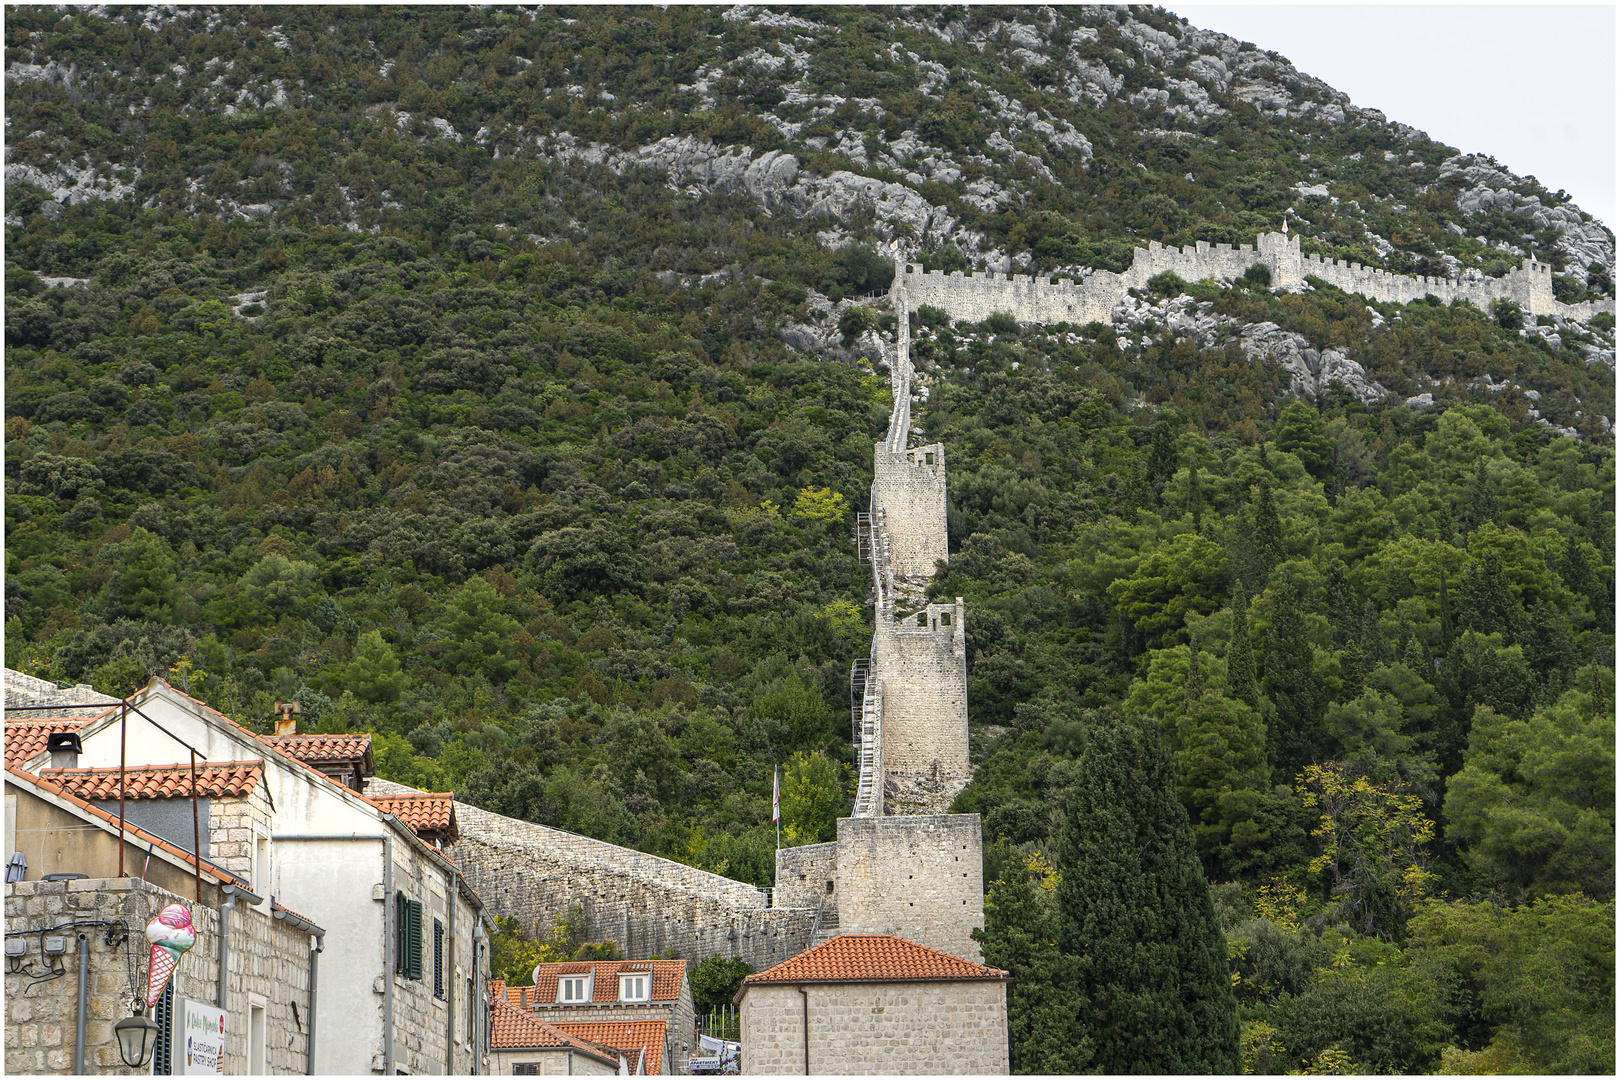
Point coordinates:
[(776, 795)]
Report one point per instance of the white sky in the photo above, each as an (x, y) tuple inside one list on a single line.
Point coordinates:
[(1532, 85)]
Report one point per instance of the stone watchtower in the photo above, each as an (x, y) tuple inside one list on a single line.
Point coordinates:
[(901, 864)]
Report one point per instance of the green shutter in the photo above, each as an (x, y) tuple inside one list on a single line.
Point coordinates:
[(413, 952), (438, 958), (402, 912)]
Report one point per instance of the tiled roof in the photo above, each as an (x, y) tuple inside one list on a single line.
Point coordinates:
[(630, 1037), (511, 1029), (850, 958), (25, 738), (667, 976), (428, 812), (320, 749), (215, 780)]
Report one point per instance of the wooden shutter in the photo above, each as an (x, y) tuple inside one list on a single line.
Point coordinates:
[(402, 912), (413, 943), (438, 959)]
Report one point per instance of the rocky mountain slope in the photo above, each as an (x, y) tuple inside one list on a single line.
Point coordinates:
[(504, 381)]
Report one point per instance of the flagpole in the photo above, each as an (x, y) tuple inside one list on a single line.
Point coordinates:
[(776, 803)]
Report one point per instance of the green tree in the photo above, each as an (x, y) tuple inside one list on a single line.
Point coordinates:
[(1485, 601), (1533, 806), (1186, 576), (374, 674), (1134, 911), (1020, 936), (1540, 976), (812, 799), (277, 586), (1267, 533), (716, 981), (143, 585), (1240, 677), (478, 637), (1299, 431), (1373, 838), (1292, 686)]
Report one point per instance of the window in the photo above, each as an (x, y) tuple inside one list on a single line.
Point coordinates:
[(438, 959), (633, 987), (261, 866), (256, 1039), (407, 936), (573, 989), (526, 1068)]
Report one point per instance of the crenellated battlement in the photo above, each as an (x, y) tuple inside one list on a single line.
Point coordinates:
[(1040, 299)]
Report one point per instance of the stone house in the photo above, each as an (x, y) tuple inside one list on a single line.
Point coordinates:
[(874, 1004), (520, 1045), (644, 1008), (266, 985), (407, 958), (344, 758)]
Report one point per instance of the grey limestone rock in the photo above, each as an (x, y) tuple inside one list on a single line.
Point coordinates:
[(1420, 402)]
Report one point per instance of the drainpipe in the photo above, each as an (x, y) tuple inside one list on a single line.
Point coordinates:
[(806, 995), (315, 950), (478, 1010), (78, 1023), (231, 893), (450, 982), (388, 957), (314, 974)]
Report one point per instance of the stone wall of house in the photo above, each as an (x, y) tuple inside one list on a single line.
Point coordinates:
[(920, 877), (268, 965), (941, 1028), (648, 905), (424, 1012)]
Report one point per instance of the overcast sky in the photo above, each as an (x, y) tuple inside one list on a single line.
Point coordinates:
[(1532, 85)]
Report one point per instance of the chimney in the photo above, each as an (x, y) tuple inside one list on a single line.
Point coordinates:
[(285, 724), (65, 749)]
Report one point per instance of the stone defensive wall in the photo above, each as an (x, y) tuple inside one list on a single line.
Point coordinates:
[(922, 662), (648, 905), (908, 489), (918, 876), (1034, 299)]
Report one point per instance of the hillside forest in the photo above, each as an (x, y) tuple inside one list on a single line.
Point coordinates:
[(503, 455)]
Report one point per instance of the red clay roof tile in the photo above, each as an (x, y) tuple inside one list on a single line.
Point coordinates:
[(850, 958), (25, 738), (215, 780), (320, 749), (433, 812), (511, 1028), (667, 976), (630, 1037)]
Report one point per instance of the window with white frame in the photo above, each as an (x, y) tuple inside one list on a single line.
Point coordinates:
[(633, 987), (573, 989)]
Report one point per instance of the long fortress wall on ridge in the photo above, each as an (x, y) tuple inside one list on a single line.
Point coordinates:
[(1093, 298)]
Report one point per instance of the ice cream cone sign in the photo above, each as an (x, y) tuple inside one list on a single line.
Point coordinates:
[(171, 934)]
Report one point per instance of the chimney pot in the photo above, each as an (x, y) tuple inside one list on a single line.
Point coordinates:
[(65, 749)]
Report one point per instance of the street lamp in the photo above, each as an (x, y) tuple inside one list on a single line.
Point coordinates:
[(137, 1038)]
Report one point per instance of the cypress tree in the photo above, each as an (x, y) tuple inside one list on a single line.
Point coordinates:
[(1486, 602), (1267, 532), (1448, 632), (1291, 685), (1020, 936), (1195, 496), (1240, 653), (1351, 670), (1195, 674), (1134, 910)]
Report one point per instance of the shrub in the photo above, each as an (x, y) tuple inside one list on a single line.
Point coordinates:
[(1259, 275), (1001, 323), (1507, 314), (1168, 283)]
